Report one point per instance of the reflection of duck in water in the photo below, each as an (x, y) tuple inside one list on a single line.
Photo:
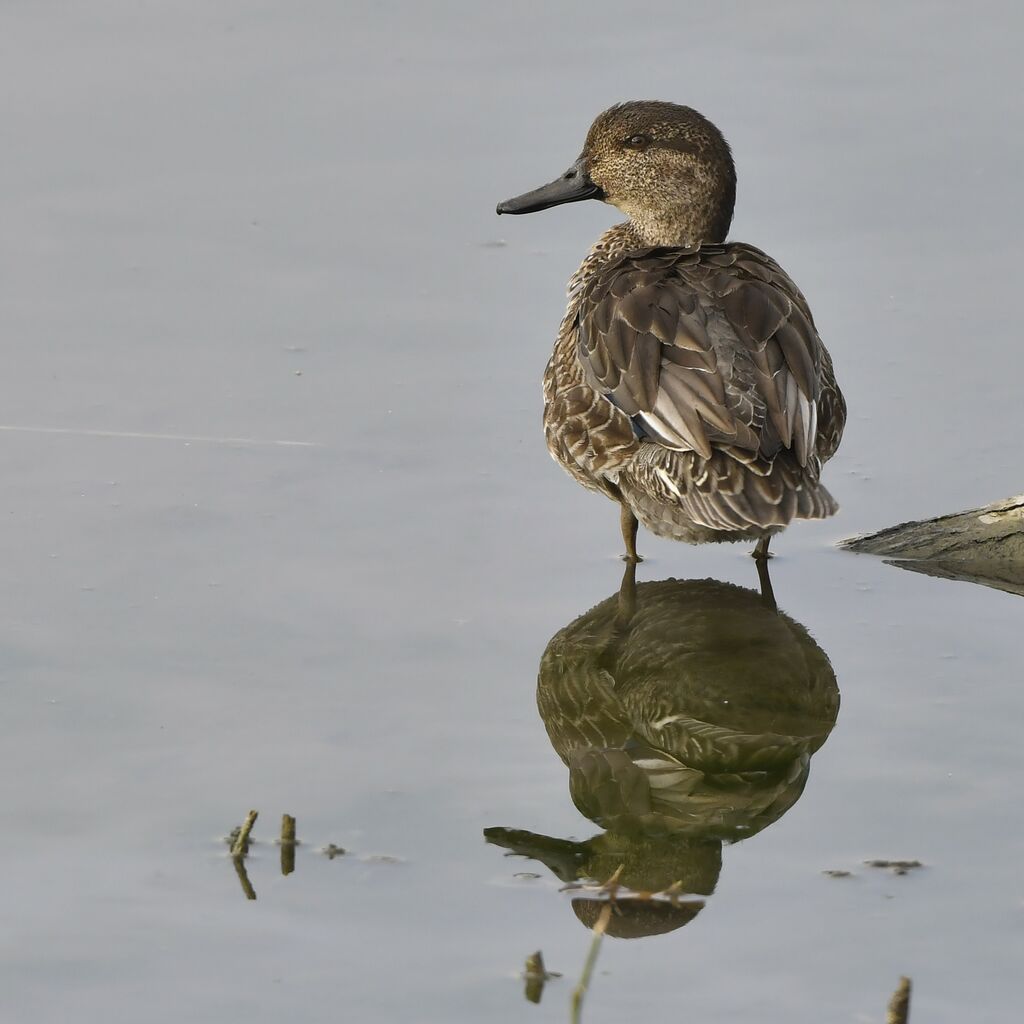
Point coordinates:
[(686, 712)]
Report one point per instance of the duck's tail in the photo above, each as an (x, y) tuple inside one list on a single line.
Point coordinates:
[(681, 496), (815, 503)]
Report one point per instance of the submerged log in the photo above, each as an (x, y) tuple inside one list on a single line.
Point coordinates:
[(981, 545)]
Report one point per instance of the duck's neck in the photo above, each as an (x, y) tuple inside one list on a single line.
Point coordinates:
[(698, 223), (642, 233), (689, 217), (668, 231)]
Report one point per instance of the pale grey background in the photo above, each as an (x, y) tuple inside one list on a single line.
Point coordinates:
[(274, 221)]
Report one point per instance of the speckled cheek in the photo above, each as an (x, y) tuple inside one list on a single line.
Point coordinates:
[(604, 173)]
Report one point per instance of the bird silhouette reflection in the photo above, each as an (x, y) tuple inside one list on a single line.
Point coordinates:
[(687, 712)]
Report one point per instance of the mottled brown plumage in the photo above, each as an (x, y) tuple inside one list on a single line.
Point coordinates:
[(693, 712), (688, 381), (687, 713)]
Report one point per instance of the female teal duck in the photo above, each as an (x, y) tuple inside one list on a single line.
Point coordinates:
[(688, 382)]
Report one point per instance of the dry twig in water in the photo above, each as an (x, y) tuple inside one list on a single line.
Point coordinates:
[(899, 1005), (535, 976), (241, 847), (288, 844), (243, 877), (588, 967)]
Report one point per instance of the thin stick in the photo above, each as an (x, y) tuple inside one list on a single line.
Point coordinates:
[(241, 847), (243, 877), (588, 967), (288, 843), (899, 1005)]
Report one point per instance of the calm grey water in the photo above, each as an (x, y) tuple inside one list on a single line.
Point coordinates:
[(231, 225)]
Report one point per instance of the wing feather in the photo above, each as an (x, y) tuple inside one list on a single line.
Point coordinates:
[(713, 348)]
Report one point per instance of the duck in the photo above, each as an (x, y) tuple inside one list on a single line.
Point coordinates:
[(688, 382)]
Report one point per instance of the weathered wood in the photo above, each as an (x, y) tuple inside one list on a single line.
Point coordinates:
[(243, 877), (288, 844), (981, 545), (899, 1005), (588, 967), (241, 844)]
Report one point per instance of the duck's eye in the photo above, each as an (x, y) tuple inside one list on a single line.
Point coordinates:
[(638, 141)]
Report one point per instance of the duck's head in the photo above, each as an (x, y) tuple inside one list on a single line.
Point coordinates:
[(666, 167)]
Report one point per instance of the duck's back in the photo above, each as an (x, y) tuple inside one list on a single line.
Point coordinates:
[(692, 384)]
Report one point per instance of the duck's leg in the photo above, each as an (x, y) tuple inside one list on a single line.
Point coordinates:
[(629, 525), (763, 578), (761, 548)]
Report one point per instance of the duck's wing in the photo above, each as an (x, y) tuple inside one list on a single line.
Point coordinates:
[(708, 348)]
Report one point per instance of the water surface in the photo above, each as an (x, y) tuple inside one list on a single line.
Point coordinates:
[(230, 226)]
